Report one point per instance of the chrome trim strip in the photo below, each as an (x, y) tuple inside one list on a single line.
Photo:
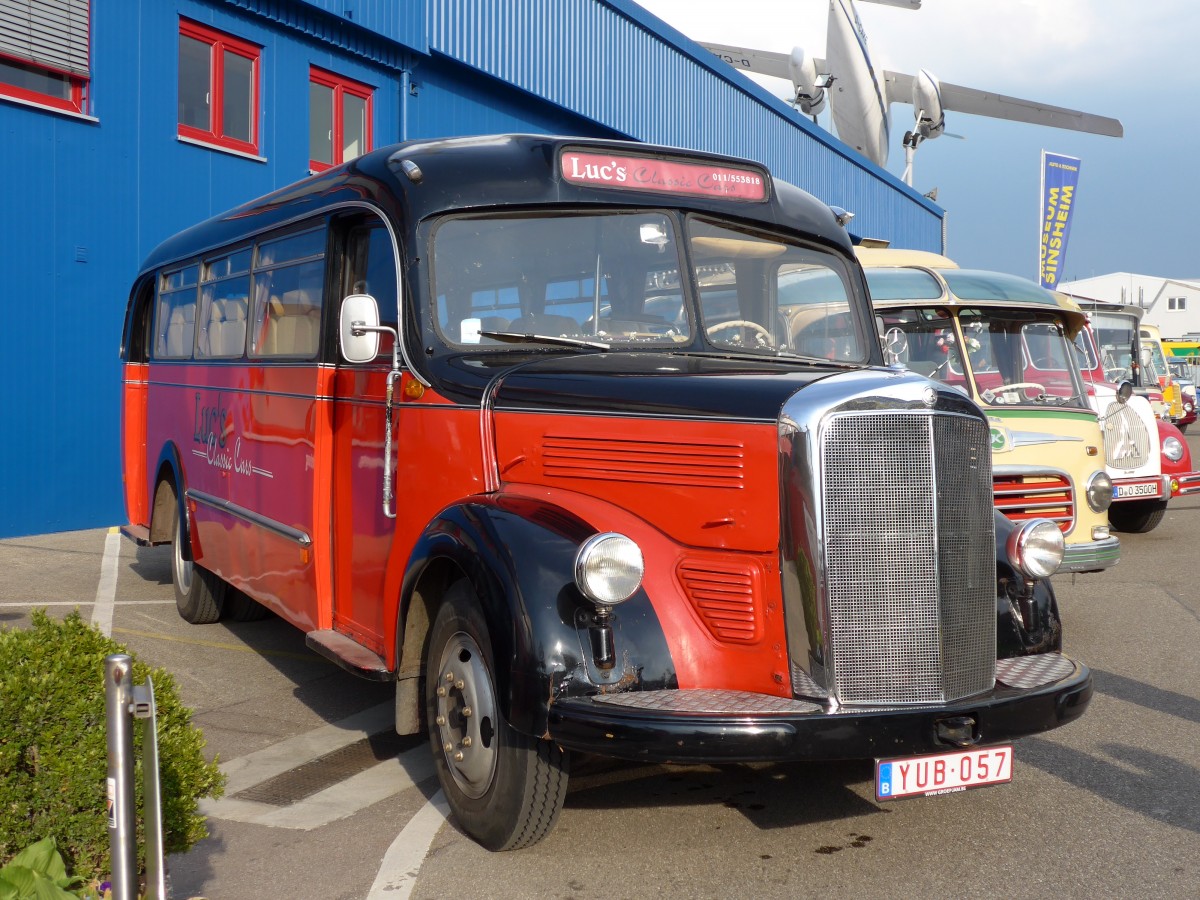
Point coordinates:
[(487, 435), (1094, 556), (1033, 438), (249, 515)]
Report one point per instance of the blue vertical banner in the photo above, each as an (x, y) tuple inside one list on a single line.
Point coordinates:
[(1060, 179)]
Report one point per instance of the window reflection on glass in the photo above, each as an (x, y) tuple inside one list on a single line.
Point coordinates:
[(195, 79), (32, 78), (222, 318), (175, 315), (320, 123), (238, 96), (586, 279), (1116, 336), (1021, 358), (1085, 349), (924, 342), (339, 119), (764, 295), (354, 126)]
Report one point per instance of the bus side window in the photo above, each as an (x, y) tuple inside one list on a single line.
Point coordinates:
[(223, 300), (175, 314), (373, 271), (289, 281)]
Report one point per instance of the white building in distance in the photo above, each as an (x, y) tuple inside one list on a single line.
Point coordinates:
[(1170, 303)]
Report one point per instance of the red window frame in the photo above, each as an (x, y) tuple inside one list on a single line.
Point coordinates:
[(79, 86), (342, 85), (219, 42)]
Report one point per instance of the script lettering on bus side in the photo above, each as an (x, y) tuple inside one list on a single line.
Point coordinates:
[(212, 430)]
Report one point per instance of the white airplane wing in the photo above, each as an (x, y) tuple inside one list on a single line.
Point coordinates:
[(956, 98), (765, 62)]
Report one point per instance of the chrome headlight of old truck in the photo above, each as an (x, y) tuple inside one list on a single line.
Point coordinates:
[(609, 568), (1036, 548)]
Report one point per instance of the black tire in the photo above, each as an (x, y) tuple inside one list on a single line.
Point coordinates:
[(506, 788), (198, 592), (239, 607), (1137, 517), (1183, 428)]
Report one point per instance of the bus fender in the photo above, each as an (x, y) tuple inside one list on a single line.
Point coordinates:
[(519, 556), (168, 460)]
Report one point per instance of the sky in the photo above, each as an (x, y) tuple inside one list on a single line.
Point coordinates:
[(1138, 197)]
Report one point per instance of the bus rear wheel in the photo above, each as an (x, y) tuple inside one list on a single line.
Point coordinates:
[(1137, 517), (198, 592), (238, 607), (505, 788)]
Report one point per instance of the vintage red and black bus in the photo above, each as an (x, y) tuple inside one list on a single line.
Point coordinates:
[(588, 446)]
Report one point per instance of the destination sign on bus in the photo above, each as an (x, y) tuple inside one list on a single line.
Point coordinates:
[(643, 173)]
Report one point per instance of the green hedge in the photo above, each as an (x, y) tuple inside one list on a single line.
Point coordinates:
[(53, 749)]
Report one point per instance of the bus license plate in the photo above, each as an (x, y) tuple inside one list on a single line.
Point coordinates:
[(946, 773), (1148, 489)]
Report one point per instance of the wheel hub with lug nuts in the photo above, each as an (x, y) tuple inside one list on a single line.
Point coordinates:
[(465, 716)]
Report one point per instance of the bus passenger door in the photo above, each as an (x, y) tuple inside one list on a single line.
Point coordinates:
[(362, 534), (134, 410)]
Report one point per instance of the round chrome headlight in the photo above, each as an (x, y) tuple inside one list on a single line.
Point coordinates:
[(609, 568), (1036, 548), (1099, 491), (1173, 449)]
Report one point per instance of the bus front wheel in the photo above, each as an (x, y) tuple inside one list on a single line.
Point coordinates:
[(1137, 516), (505, 788), (198, 592)]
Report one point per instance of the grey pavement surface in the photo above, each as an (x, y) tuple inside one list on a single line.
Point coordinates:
[(1106, 807)]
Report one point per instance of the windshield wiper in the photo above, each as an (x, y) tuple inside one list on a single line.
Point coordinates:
[(510, 337)]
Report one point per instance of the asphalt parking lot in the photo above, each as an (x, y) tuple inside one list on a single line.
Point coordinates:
[(324, 803)]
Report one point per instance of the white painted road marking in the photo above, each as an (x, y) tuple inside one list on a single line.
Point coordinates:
[(402, 863), (106, 590), (338, 801), (255, 768)]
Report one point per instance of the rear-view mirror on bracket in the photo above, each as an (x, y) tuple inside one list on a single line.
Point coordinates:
[(359, 332)]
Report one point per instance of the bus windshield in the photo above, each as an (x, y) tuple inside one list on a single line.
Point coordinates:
[(613, 280), (1000, 357), (1116, 338)]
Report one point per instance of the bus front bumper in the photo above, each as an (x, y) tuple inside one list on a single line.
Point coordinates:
[(1091, 556), (658, 728)]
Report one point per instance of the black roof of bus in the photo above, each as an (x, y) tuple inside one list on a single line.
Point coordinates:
[(488, 172)]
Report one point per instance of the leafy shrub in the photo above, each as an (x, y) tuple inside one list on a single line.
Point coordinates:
[(53, 750)]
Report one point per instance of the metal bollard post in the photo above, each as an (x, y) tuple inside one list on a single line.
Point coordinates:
[(122, 826), (143, 708)]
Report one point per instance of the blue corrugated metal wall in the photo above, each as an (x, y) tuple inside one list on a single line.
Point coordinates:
[(87, 198)]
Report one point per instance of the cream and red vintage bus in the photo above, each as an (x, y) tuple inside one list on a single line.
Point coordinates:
[(1006, 343), (587, 446)]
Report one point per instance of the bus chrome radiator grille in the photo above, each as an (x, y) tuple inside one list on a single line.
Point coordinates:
[(1126, 442), (909, 557)]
